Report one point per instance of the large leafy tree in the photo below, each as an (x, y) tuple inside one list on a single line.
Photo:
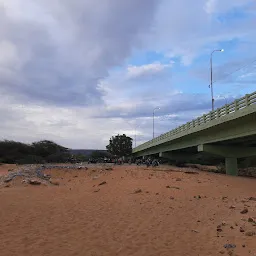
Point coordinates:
[(46, 148), (120, 145)]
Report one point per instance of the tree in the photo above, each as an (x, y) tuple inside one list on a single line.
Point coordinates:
[(46, 148), (120, 145), (99, 154), (37, 152)]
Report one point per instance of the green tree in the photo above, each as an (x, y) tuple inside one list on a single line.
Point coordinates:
[(46, 148), (38, 152), (99, 154), (120, 145)]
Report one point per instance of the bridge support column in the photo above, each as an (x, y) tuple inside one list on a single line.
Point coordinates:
[(231, 166), (230, 153)]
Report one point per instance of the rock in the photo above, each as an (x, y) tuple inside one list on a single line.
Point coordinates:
[(244, 211), (197, 197), (34, 182), (109, 169), (138, 190), (229, 246), (96, 190), (171, 197), (8, 180), (190, 172), (178, 179), (75, 176), (231, 227), (172, 187), (224, 197), (157, 194), (242, 229), (223, 223), (7, 186), (46, 176), (250, 220), (54, 182), (102, 183), (232, 207), (219, 228), (252, 198), (195, 231), (243, 245), (250, 233), (222, 252)]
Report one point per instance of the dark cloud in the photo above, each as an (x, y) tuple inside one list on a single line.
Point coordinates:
[(59, 56)]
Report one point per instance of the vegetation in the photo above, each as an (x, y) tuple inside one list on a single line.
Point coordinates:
[(99, 154), (45, 151), (120, 145)]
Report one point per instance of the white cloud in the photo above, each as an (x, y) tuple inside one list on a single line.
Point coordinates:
[(187, 28), (64, 48), (220, 6), (57, 59), (147, 69)]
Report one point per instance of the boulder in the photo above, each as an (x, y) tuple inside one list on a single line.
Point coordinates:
[(34, 182)]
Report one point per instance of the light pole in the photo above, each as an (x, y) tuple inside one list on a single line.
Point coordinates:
[(211, 76), (154, 121), (135, 131), (135, 135)]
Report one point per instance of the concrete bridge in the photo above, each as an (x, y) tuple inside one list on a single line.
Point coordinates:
[(228, 132)]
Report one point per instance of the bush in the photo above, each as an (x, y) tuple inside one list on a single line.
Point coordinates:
[(31, 159), (38, 152), (221, 168)]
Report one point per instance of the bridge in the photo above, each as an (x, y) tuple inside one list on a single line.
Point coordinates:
[(228, 132)]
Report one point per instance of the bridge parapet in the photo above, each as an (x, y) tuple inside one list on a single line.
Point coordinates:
[(228, 109)]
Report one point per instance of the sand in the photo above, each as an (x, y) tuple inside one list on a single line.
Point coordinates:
[(174, 214)]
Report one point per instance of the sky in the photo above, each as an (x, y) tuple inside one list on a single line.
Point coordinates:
[(78, 72)]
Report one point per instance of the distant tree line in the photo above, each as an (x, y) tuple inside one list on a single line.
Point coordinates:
[(44, 151)]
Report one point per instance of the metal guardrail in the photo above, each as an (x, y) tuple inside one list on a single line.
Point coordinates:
[(247, 100)]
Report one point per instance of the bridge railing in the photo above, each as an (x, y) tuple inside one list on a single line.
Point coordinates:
[(247, 100)]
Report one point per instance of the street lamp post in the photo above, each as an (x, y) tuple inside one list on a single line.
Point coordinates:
[(154, 121), (211, 77), (135, 136)]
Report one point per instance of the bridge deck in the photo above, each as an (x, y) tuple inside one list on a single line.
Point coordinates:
[(239, 109)]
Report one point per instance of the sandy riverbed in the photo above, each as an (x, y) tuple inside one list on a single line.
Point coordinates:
[(174, 214)]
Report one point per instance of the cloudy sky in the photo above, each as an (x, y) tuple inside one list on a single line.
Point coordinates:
[(77, 72)]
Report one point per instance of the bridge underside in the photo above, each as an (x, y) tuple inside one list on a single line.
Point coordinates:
[(230, 140)]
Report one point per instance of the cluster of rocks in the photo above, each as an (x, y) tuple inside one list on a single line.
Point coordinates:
[(34, 174)]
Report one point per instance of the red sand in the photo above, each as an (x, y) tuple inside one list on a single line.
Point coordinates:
[(5, 167), (72, 219)]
